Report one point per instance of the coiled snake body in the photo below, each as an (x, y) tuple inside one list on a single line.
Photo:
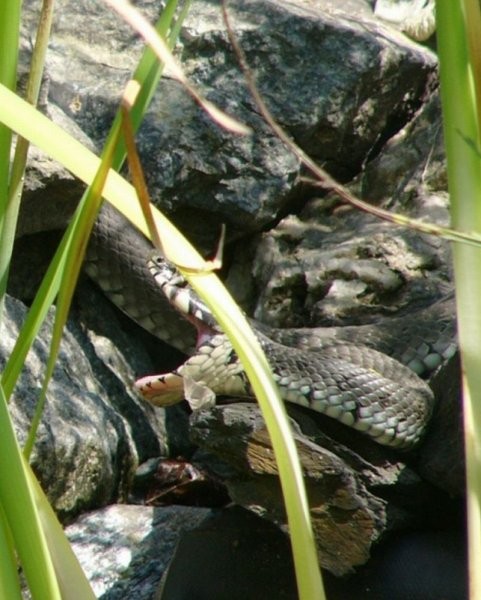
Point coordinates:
[(356, 385), (332, 373)]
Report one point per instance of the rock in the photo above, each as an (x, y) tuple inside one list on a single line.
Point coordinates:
[(409, 174), (441, 456), (345, 87), (316, 272), (332, 265), (124, 549), (235, 554), (358, 491), (94, 430), (345, 53), (232, 555)]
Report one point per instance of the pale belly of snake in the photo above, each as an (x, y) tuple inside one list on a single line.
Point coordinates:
[(327, 372)]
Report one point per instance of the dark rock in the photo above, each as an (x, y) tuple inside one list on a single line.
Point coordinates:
[(409, 175), (357, 492), (232, 555), (316, 65), (235, 554), (441, 457)]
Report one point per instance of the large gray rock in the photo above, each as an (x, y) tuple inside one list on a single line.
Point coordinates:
[(95, 430), (315, 64)]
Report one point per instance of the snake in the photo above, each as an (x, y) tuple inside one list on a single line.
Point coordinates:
[(356, 385), (352, 382)]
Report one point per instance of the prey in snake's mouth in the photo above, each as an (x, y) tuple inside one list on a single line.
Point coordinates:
[(356, 385), (196, 380)]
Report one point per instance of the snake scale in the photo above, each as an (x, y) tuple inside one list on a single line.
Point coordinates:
[(351, 382)]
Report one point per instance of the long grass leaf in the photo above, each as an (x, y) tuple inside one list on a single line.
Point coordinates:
[(9, 36), (463, 149), (76, 240), (15, 184), (72, 581), (9, 580), (19, 508)]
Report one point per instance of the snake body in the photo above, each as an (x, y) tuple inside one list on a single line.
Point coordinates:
[(354, 384), (324, 369)]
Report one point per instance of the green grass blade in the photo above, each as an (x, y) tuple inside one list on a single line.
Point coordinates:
[(15, 184), (36, 315), (9, 580), (229, 316), (72, 581), (76, 239), (463, 150), (9, 28), (17, 500), (9, 36), (148, 73)]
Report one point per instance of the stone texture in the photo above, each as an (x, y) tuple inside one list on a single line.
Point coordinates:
[(94, 430), (235, 555), (124, 549), (327, 106), (357, 490)]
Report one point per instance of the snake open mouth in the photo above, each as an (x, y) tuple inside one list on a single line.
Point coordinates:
[(168, 388), (205, 331), (184, 299)]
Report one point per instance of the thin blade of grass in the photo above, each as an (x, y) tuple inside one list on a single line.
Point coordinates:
[(149, 72), (9, 37), (35, 317), (472, 10), (76, 244), (71, 579), (15, 186), (19, 508), (253, 359), (462, 141), (9, 581)]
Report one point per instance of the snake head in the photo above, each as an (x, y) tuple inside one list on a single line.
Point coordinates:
[(183, 298), (186, 381)]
